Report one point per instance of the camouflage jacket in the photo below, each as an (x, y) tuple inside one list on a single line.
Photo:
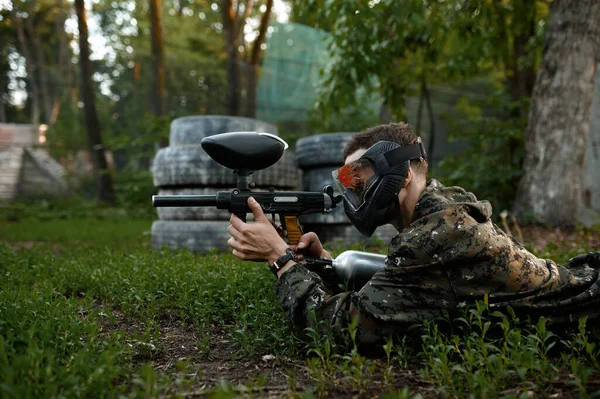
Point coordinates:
[(449, 256)]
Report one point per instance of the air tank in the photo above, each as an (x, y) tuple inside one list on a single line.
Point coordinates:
[(355, 268)]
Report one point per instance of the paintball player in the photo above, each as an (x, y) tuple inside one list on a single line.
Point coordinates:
[(447, 253)]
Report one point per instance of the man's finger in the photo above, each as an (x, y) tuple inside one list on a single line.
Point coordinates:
[(259, 215), (233, 243), (235, 233), (279, 229), (306, 241), (237, 223), (239, 254)]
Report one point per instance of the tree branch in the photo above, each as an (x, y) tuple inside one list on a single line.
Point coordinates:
[(242, 21), (262, 32)]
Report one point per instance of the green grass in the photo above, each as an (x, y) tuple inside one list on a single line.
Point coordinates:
[(87, 232), (85, 316)]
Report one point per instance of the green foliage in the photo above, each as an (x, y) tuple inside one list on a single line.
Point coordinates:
[(133, 181), (490, 350), (134, 188), (67, 317), (74, 207), (390, 46), (490, 166)]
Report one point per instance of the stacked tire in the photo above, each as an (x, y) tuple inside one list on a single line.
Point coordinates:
[(317, 156), (184, 168)]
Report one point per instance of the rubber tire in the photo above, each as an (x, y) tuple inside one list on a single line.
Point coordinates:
[(321, 150), (192, 129), (193, 212), (315, 179), (196, 236), (191, 166), (347, 234)]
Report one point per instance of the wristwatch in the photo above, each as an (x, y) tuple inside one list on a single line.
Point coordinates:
[(282, 260)]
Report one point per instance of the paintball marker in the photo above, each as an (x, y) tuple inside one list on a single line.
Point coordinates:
[(245, 153)]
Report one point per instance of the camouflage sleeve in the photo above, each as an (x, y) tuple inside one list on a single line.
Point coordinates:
[(381, 308)]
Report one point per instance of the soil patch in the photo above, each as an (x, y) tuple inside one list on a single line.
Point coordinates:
[(21, 245), (208, 366)]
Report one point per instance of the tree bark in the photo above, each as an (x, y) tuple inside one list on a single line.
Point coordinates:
[(103, 178), (157, 58), (254, 67), (558, 125)]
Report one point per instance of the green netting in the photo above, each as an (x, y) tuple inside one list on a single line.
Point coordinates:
[(290, 72)]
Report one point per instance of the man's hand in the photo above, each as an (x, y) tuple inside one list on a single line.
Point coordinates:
[(258, 241), (310, 245)]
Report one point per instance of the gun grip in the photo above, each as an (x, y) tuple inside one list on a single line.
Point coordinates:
[(294, 232), (242, 216)]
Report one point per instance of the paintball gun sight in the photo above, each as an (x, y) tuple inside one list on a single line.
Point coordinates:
[(245, 153)]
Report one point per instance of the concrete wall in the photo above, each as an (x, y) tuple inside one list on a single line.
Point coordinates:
[(37, 179), (17, 135), (10, 172)]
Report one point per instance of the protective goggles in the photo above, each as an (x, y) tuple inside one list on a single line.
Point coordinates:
[(356, 179)]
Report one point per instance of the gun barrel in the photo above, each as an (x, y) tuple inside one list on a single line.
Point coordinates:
[(183, 200)]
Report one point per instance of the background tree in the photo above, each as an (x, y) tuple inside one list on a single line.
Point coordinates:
[(194, 73), (235, 17), (233, 29), (158, 81), (400, 44), (559, 118), (255, 58), (103, 178), (39, 36)]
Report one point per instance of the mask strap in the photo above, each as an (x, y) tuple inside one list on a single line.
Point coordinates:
[(405, 153)]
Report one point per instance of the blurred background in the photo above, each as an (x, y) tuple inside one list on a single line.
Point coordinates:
[(88, 89)]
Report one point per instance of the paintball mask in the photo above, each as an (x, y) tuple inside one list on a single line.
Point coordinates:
[(369, 184)]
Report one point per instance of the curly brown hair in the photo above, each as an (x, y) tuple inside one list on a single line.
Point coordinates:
[(399, 133)]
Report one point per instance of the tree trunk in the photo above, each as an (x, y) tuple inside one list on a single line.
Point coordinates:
[(103, 178), (157, 58), (385, 113), (32, 87), (254, 67), (523, 77), (63, 53), (431, 144), (252, 82), (2, 109), (558, 126), (519, 78), (233, 67), (420, 106), (41, 67)]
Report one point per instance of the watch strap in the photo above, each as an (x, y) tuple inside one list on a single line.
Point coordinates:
[(282, 260)]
